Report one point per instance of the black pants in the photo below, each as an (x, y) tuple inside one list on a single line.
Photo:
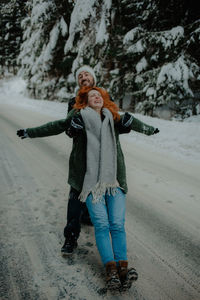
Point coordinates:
[(75, 210)]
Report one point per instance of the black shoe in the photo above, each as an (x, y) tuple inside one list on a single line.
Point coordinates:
[(69, 246)]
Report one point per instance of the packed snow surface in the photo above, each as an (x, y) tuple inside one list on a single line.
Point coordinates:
[(179, 139)]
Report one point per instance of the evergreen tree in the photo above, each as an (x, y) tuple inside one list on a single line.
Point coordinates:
[(11, 14), (41, 56), (160, 62), (145, 50)]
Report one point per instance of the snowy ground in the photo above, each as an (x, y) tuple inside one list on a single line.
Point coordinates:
[(179, 139), (162, 220)]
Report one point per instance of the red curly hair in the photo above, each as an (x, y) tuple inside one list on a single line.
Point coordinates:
[(82, 100)]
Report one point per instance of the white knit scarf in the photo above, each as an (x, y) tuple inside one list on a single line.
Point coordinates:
[(100, 176)]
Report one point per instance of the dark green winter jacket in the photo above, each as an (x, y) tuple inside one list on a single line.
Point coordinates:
[(77, 161)]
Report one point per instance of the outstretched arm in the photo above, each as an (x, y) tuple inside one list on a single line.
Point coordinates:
[(141, 127), (48, 129)]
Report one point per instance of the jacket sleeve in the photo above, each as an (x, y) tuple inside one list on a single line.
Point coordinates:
[(51, 128), (141, 127)]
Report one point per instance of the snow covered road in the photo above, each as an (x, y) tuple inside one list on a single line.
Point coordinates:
[(163, 220)]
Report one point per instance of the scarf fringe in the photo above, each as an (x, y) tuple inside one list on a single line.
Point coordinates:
[(99, 190)]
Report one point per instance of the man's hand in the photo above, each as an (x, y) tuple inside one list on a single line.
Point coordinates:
[(76, 126), (156, 131), (124, 124), (77, 123), (126, 120), (22, 133)]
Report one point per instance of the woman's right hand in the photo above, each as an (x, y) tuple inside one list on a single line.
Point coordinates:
[(22, 133)]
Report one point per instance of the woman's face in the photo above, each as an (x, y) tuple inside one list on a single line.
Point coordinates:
[(95, 100)]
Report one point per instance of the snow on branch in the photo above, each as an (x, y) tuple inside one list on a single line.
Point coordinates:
[(179, 73)]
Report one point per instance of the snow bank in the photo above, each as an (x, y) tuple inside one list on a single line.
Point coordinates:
[(180, 139), (13, 92)]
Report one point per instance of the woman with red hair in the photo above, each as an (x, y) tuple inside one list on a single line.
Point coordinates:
[(82, 100), (97, 172), (104, 185)]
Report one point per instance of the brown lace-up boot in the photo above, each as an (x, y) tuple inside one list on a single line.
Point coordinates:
[(127, 276), (112, 277)]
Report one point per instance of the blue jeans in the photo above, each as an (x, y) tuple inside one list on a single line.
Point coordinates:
[(108, 218)]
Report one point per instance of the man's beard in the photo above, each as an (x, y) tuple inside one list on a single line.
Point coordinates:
[(87, 83)]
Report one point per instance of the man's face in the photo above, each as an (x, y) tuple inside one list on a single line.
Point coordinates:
[(95, 100), (85, 79)]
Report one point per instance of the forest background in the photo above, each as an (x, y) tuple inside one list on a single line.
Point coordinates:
[(146, 53)]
